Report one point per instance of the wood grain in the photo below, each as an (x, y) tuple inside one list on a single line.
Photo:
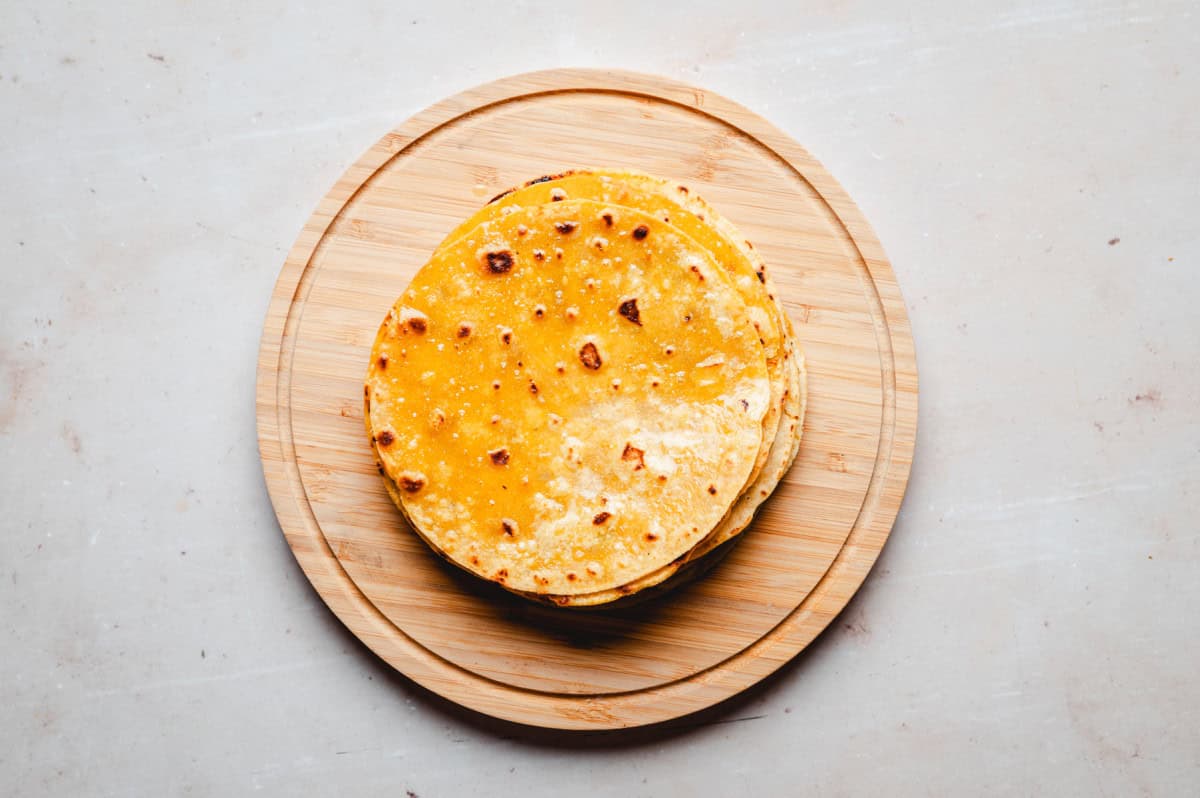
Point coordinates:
[(811, 545)]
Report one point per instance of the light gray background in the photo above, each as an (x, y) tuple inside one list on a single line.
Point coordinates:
[(1031, 628)]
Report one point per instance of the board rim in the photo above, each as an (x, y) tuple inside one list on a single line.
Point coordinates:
[(812, 615)]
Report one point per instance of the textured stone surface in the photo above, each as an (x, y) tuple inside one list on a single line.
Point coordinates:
[(1030, 628)]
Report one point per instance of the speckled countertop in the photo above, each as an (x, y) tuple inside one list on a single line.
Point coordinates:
[(1031, 627)]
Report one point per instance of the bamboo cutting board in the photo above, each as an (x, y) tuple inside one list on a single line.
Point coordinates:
[(812, 543)]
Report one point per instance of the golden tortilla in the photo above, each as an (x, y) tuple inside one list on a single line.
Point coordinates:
[(568, 398)]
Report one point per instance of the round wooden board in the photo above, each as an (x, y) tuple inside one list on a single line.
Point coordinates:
[(811, 545)]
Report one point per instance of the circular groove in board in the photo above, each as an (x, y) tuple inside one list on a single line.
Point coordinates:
[(812, 543)]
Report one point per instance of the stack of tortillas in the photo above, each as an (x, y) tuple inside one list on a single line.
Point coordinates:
[(588, 390)]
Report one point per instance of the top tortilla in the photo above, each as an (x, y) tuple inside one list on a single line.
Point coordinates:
[(569, 397)]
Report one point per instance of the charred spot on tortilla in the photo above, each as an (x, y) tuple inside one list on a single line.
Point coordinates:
[(632, 454), (502, 195), (629, 309), (411, 482), (546, 178), (589, 356), (499, 262)]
